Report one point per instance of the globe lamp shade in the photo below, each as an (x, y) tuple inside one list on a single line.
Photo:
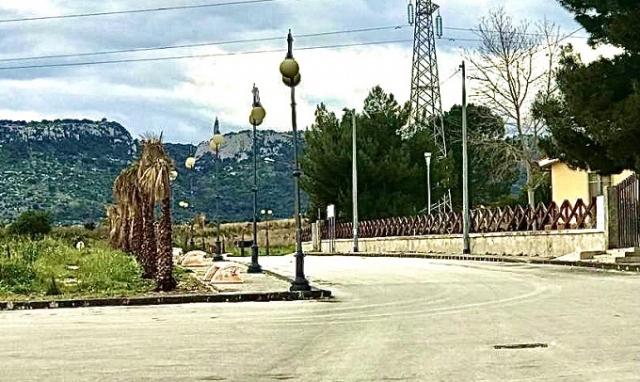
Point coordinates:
[(216, 141), (287, 80), (289, 68), (257, 115), (190, 162)]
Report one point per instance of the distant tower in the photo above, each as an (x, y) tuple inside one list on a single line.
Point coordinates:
[(426, 104)]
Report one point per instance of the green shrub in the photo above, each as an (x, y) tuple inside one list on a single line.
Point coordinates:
[(72, 233), (16, 276), (34, 224), (53, 267)]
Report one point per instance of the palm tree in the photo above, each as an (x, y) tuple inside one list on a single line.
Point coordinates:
[(155, 185), (137, 221), (113, 213), (121, 186), (148, 248)]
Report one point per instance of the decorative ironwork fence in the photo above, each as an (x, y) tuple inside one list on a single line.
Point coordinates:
[(503, 219), (629, 212)]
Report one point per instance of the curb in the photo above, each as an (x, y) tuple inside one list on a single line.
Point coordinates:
[(585, 264), (314, 294)]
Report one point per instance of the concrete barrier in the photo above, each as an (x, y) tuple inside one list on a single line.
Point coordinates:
[(536, 243)]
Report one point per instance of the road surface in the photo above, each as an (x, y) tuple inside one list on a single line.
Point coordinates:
[(392, 320)]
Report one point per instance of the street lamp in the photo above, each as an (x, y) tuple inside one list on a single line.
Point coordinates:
[(185, 205), (427, 158), (173, 175), (267, 213), (190, 164), (255, 118), (290, 71), (214, 144)]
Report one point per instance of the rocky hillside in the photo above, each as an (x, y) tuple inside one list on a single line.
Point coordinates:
[(67, 167)]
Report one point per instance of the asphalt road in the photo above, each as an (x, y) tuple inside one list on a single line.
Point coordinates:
[(391, 320)]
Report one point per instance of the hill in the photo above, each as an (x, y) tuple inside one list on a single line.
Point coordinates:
[(67, 167)]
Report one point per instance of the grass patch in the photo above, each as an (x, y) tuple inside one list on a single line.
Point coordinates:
[(279, 250), (282, 236), (53, 268)]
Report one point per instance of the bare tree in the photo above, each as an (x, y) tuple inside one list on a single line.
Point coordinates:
[(511, 69)]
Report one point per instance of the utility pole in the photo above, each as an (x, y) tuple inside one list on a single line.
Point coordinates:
[(354, 176), (466, 248)]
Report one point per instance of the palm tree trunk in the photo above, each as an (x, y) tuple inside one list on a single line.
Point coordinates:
[(126, 234), (149, 249), (164, 277), (137, 225)]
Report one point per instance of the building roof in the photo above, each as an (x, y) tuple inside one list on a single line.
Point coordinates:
[(544, 162)]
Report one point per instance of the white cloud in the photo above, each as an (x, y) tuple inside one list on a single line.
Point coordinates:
[(31, 7)]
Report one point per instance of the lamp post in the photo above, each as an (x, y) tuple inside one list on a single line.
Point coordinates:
[(427, 158), (173, 175), (190, 164), (185, 205), (267, 213), (214, 144), (255, 118), (290, 71), (466, 249), (354, 182)]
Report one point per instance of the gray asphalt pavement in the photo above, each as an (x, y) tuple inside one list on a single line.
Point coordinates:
[(392, 320)]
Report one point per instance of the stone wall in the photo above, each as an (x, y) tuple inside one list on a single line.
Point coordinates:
[(540, 243)]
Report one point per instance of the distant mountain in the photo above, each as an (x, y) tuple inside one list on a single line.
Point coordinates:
[(68, 166)]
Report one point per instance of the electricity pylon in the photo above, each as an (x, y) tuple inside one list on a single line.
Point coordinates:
[(426, 104)]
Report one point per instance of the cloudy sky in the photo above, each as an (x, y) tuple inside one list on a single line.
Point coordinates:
[(183, 96)]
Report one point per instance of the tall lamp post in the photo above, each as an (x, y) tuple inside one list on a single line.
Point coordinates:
[(466, 246), (267, 213), (290, 71), (255, 118), (427, 158), (173, 175), (354, 182), (214, 144), (190, 164), (185, 205)]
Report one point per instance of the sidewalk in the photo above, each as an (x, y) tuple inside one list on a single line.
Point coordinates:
[(266, 281), (633, 267)]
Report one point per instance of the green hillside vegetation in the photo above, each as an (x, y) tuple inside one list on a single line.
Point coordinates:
[(67, 167)]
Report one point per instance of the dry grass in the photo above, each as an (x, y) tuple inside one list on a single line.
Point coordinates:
[(281, 234)]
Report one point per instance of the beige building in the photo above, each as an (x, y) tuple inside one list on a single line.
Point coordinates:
[(569, 184)]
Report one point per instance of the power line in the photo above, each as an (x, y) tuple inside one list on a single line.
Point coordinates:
[(228, 42), (543, 47), (451, 76), (87, 63), (475, 30), (195, 45), (145, 10)]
